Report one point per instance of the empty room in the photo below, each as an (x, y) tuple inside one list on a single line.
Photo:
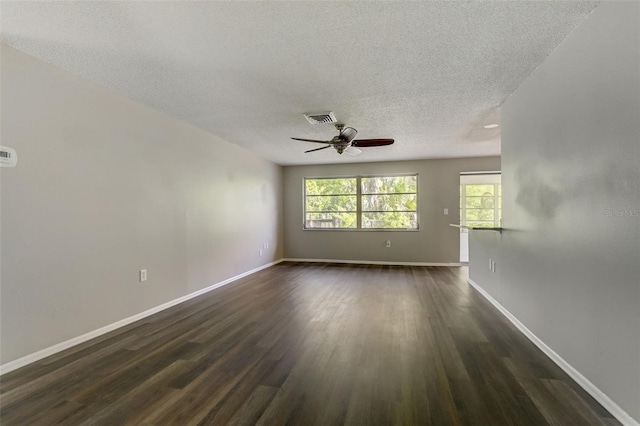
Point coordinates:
[(320, 213)]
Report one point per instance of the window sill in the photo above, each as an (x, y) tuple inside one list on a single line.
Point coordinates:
[(360, 230)]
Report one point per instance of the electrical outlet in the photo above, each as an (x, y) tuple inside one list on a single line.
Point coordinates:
[(143, 275), (446, 212), (265, 246), (260, 252), (388, 244)]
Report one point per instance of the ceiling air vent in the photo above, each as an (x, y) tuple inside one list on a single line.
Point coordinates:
[(320, 118)]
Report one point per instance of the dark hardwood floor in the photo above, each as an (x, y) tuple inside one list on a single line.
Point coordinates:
[(308, 344)]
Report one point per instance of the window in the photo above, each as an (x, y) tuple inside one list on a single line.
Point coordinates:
[(331, 203), (389, 202), (480, 203), (361, 203)]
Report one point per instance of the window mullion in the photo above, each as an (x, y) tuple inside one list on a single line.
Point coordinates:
[(463, 213), (495, 205), (358, 203)]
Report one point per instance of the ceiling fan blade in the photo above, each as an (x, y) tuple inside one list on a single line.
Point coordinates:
[(348, 133), (310, 140), (364, 143), (352, 150), (318, 149)]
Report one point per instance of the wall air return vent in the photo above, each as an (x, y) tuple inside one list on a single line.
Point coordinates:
[(320, 118)]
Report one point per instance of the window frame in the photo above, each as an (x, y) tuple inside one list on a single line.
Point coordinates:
[(497, 202), (359, 211)]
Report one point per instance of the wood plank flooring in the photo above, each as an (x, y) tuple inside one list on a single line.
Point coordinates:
[(308, 344)]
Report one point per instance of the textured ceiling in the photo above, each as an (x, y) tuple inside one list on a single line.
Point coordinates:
[(429, 74)]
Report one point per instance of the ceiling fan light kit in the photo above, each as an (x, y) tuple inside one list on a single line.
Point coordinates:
[(345, 141)]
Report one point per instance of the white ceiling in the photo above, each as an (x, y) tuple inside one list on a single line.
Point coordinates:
[(429, 74)]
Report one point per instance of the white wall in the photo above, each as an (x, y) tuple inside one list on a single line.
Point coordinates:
[(104, 187), (571, 200), (435, 242)]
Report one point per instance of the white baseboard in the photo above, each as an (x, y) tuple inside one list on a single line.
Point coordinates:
[(370, 262), (37, 356), (589, 387)]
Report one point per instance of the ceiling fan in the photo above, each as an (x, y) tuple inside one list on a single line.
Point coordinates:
[(346, 142)]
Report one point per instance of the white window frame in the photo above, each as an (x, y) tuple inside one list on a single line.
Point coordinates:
[(359, 210), (486, 178)]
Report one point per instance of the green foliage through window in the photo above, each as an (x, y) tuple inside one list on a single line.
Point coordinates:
[(380, 202), (480, 205)]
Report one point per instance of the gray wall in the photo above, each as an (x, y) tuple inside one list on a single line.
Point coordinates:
[(571, 198), (435, 242), (105, 187), (485, 247)]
